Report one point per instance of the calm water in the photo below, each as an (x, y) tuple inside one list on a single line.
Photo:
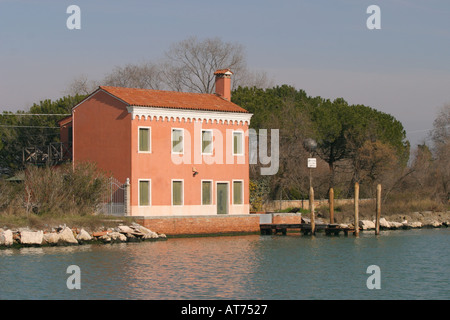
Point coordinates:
[(414, 265)]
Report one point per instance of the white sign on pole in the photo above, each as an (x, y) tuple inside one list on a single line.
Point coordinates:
[(312, 163)]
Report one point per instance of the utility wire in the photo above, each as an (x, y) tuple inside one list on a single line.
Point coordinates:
[(35, 114), (37, 127)]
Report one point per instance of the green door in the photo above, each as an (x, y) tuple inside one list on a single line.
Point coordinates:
[(222, 198)]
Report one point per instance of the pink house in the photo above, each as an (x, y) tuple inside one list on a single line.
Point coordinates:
[(183, 153)]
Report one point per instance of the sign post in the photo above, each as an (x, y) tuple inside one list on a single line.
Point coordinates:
[(311, 145)]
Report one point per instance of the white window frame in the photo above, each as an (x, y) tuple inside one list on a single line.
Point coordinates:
[(232, 191), (149, 139), (242, 142), (182, 192), (212, 142), (149, 192), (171, 140), (211, 197)]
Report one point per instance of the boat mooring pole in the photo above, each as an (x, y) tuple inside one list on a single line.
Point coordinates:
[(356, 209), (331, 204), (378, 214), (311, 207)]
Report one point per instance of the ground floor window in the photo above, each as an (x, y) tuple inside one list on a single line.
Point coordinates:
[(144, 192), (238, 192), (206, 192), (177, 192)]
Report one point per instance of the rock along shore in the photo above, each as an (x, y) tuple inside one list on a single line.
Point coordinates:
[(405, 224), (64, 236)]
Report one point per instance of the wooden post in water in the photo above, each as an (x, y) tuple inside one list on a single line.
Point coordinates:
[(356, 209), (311, 208), (378, 214), (331, 203)]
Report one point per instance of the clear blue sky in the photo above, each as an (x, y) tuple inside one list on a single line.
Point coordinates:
[(321, 46)]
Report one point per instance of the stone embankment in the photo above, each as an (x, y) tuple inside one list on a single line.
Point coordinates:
[(66, 236), (392, 225)]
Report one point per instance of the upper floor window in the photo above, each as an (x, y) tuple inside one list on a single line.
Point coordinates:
[(177, 140), (207, 141), (238, 143), (144, 140)]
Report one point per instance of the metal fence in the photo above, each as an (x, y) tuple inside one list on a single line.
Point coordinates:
[(115, 202)]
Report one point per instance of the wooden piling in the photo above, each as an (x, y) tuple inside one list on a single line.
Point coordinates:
[(356, 209), (311, 208), (378, 213), (331, 204)]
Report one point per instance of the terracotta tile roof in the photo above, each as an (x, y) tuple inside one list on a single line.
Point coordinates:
[(173, 99), (223, 71)]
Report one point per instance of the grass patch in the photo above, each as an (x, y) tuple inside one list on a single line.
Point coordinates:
[(293, 210)]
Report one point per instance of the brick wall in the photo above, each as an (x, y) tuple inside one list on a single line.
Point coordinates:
[(280, 218), (197, 225)]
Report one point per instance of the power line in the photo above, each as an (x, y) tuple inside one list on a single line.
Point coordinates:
[(35, 114), (37, 127), (424, 130)]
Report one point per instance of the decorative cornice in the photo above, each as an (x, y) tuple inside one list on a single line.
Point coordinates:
[(184, 115)]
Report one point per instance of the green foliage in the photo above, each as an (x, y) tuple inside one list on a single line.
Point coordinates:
[(259, 189), (355, 135), (55, 191), (20, 131), (342, 129)]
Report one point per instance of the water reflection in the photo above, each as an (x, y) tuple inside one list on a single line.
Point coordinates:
[(413, 264)]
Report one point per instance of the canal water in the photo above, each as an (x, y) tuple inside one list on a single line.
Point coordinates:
[(413, 264)]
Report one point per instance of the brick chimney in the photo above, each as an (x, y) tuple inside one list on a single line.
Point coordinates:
[(223, 83)]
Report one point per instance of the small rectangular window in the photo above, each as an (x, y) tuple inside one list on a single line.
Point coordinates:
[(238, 192), (144, 192), (144, 139), (238, 143), (206, 192), (177, 192), (177, 140), (207, 142)]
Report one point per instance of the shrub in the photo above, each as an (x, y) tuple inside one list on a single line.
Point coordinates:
[(62, 190)]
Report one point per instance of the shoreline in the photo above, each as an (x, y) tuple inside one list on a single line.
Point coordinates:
[(425, 219), (66, 236), (134, 232)]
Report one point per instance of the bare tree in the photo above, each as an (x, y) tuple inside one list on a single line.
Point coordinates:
[(81, 85), (441, 127), (145, 76), (248, 78), (441, 139), (190, 64)]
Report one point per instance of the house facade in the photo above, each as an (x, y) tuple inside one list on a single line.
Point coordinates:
[(183, 154)]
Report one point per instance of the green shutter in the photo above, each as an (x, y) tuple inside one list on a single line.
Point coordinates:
[(206, 141), (177, 140), (177, 193), (237, 192), (144, 193), (206, 192), (237, 142), (144, 139)]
